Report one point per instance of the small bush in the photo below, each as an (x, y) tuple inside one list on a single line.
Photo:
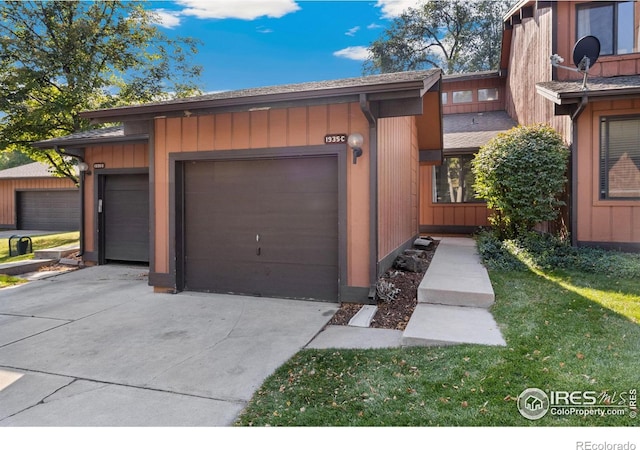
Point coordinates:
[(548, 252), (521, 174)]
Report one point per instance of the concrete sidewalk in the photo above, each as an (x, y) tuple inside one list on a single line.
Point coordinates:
[(454, 298), (96, 347)]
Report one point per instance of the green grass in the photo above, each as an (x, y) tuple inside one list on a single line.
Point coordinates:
[(39, 243), (565, 330), (7, 280)]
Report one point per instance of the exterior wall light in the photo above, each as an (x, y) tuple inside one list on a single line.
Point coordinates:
[(83, 166), (355, 141)]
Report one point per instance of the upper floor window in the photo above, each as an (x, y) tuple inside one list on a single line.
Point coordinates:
[(488, 94), (462, 96), (444, 98), (620, 158), (611, 22)]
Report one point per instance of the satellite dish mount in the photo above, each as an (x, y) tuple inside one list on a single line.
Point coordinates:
[(585, 54)]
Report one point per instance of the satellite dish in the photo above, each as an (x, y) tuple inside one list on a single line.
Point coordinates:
[(586, 52)]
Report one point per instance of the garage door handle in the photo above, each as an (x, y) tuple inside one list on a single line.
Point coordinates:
[(258, 250)]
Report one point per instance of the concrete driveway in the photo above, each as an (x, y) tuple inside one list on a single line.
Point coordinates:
[(96, 347)]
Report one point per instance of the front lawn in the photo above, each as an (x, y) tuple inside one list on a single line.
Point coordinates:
[(566, 330), (39, 243)]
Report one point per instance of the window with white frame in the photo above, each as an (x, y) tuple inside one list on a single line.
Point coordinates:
[(611, 22), (453, 180), (620, 158)]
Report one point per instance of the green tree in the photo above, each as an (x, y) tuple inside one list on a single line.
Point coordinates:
[(521, 174), (452, 35), (58, 58)]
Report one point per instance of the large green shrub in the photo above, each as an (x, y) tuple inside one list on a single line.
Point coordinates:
[(521, 174)]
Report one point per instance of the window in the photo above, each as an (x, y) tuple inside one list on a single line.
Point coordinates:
[(620, 158), (453, 180), (611, 22), (444, 98), (462, 96), (487, 95)]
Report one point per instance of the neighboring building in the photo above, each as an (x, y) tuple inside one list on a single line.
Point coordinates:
[(257, 191), (32, 198), (474, 112), (601, 124)]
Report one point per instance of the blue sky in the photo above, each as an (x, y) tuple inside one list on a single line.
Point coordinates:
[(249, 43)]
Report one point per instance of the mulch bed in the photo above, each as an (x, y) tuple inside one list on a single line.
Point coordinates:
[(391, 315)]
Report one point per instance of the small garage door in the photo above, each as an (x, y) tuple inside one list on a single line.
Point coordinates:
[(262, 227), (125, 210), (49, 210)]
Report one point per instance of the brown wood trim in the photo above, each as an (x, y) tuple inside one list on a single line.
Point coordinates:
[(351, 294), (430, 156), (452, 229), (162, 280), (630, 247), (91, 257), (152, 196), (177, 159)]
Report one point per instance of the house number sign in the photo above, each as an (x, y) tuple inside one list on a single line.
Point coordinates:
[(335, 139), (99, 165)]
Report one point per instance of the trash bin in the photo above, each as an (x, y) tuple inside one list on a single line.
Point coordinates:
[(23, 245), (20, 245)]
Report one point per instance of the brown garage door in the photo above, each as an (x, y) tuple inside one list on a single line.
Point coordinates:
[(49, 210), (125, 210), (262, 227)]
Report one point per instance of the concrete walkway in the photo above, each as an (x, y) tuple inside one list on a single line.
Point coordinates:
[(454, 298)]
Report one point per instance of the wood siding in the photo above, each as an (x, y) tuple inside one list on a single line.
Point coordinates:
[(114, 156), (447, 214), (397, 183), (8, 190), (531, 47), (607, 66), (293, 127), (602, 220), (450, 86)]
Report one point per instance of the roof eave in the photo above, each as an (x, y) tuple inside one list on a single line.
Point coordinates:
[(67, 143), (386, 91), (567, 98)]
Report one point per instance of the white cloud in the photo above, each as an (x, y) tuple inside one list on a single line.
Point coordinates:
[(264, 30), (373, 26), (393, 8), (356, 53), (352, 31), (167, 19), (237, 9)]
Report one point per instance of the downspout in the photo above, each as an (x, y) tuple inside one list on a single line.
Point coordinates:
[(82, 211), (574, 167), (373, 194)]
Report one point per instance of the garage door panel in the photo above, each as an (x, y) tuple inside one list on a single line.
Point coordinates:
[(48, 210), (289, 204)]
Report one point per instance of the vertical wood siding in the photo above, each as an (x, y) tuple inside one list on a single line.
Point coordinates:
[(114, 156), (397, 183), (531, 47), (447, 214), (293, 127), (602, 220), (8, 190)]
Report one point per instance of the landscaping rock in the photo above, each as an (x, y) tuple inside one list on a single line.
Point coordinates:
[(410, 263), (423, 243)]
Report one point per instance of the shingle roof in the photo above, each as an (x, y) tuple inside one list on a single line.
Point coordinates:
[(314, 89), (89, 135), (32, 170), (473, 130), (605, 86)]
